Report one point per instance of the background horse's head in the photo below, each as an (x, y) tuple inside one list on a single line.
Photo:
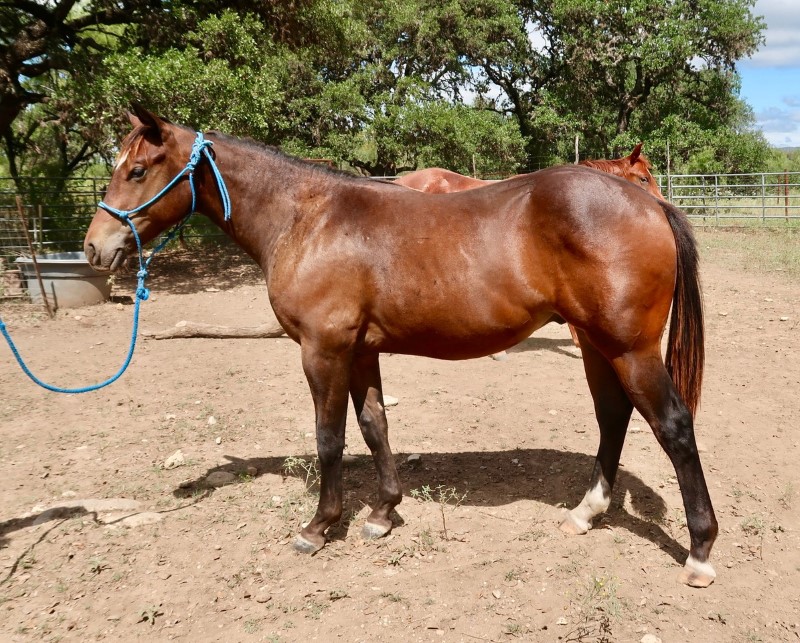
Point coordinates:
[(634, 168), (150, 156)]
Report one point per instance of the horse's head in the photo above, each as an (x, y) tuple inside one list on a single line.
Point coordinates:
[(150, 157), (637, 170)]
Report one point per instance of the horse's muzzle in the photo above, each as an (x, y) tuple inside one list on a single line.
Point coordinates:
[(108, 253)]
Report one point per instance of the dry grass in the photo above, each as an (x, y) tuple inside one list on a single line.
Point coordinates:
[(754, 250)]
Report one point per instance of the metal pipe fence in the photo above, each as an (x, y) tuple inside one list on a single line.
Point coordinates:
[(768, 199), (59, 209)]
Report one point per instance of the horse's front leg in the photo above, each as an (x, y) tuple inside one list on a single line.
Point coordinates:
[(328, 375)]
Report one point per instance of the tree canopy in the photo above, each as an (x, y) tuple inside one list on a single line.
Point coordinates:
[(487, 87)]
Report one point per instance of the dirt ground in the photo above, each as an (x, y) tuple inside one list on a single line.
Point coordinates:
[(103, 537)]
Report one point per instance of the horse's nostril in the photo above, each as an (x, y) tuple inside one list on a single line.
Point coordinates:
[(90, 252)]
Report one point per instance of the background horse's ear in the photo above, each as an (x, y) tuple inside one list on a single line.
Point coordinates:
[(634, 156)]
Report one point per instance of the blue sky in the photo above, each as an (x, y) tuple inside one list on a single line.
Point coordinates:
[(771, 78)]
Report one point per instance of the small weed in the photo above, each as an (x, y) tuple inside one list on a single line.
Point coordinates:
[(532, 535), (302, 468), (426, 541), (149, 615), (392, 598), (512, 575), (316, 609), (235, 580), (97, 565), (443, 496), (594, 611), (396, 557), (751, 636), (516, 629), (753, 526), (787, 495), (252, 626)]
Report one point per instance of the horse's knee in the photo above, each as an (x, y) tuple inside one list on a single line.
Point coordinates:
[(329, 451)]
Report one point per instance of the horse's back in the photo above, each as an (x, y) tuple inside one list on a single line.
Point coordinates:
[(464, 274)]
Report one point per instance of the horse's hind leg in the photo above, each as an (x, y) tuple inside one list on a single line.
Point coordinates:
[(613, 410), (328, 375), (647, 383), (367, 394)]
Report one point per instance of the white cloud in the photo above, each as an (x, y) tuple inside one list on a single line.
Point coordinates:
[(775, 119), (782, 48), (781, 125)]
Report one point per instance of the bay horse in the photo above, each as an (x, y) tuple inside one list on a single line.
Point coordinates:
[(634, 168), (356, 267)]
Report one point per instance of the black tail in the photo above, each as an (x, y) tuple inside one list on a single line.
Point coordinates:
[(686, 342)]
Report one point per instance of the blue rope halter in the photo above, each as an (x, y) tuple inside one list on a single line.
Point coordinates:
[(199, 150)]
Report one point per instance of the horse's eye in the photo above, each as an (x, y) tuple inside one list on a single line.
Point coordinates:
[(644, 179), (137, 172)]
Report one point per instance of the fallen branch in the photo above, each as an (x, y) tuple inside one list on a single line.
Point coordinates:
[(185, 329)]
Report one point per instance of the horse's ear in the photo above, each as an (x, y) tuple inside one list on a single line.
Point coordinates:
[(139, 115), (634, 156)]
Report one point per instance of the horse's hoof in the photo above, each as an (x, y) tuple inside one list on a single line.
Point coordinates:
[(572, 526), (372, 531), (697, 574), (305, 546)]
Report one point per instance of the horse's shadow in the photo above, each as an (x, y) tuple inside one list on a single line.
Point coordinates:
[(490, 479)]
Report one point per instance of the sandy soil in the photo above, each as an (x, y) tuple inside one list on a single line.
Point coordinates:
[(100, 539)]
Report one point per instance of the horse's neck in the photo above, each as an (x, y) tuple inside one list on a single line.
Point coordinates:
[(262, 187)]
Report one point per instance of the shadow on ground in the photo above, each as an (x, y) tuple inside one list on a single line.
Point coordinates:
[(180, 271), (490, 479)]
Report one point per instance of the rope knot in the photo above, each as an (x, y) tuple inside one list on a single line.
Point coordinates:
[(142, 293), (199, 145)]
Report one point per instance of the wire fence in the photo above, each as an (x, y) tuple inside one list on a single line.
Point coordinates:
[(58, 210)]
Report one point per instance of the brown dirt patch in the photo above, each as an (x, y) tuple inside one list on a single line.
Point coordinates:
[(518, 437)]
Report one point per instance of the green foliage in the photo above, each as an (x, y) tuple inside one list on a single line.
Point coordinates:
[(784, 160), (486, 87)]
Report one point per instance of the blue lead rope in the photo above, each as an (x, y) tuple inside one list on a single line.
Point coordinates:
[(199, 149)]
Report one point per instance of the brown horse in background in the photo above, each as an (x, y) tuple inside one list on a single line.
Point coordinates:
[(356, 268), (634, 168)]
